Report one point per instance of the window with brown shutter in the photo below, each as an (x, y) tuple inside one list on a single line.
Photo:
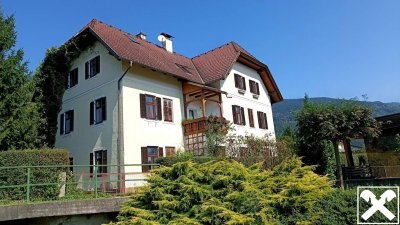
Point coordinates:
[(240, 82), (251, 118), (168, 110), (238, 115), (67, 122), (150, 107), (149, 156), (169, 151), (262, 120), (91, 164), (72, 78), (254, 89)]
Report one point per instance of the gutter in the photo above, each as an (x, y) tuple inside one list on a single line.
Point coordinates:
[(120, 140)]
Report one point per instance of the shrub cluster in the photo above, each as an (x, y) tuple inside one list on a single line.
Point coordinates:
[(18, 176), (226, 192), (183, 157)]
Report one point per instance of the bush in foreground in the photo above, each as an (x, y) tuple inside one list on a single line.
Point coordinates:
[(226, 192), (18, 176)]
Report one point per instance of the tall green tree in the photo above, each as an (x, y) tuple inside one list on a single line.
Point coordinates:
[(18, 115), (322, 125)]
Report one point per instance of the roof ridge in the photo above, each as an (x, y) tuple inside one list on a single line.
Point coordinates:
[(223, 45)]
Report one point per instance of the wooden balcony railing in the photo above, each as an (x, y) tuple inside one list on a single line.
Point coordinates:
[(195, 126)]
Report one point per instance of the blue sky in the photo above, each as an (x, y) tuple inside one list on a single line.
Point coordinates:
[(339, 49)]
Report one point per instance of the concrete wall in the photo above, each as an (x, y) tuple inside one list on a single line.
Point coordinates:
[(246, 100), (139, 132), (86, 138)]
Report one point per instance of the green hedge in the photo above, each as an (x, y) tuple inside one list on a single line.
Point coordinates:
[(183, 157), (18, 176)]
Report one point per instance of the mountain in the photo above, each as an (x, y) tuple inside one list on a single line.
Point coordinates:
[(284, 112)]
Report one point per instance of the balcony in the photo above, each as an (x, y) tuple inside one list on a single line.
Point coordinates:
[(194, 126)]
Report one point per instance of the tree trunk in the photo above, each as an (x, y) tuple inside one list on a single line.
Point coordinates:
[(340, 181)]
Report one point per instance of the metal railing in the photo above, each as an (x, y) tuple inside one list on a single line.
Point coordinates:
[(30, 181)]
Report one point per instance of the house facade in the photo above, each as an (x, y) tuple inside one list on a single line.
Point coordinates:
[(129, 101)]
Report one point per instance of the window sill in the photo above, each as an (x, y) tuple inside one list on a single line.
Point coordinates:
[(71, 88), (98, 124), (66, 135), (256, 96), (91, 77), (241, 91), (169, 122)]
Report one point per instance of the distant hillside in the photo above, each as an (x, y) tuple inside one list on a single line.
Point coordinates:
[(284, 112)]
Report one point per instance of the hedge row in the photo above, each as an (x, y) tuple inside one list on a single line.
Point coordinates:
[(183, 157), (18, 176)]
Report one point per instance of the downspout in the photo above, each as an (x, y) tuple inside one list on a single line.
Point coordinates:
[(120, 140)]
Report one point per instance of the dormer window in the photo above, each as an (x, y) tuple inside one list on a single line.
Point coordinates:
[(184, 68), (92, 67), (240, 83)]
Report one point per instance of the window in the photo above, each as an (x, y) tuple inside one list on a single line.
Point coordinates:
[(238, 115), (98, 111), (169, 151), (251, 118), (98, 159), (168, 110), (262, 120), (254, 87), (240, 82), (150, 107), (92, 67), (72, 78), (149, 156), (67, 122)]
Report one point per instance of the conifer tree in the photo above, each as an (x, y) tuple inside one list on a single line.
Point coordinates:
[(18, 115)]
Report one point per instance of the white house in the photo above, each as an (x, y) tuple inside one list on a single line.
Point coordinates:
[(128, 101)]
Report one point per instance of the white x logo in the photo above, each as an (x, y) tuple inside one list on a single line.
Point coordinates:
[(378, 205)]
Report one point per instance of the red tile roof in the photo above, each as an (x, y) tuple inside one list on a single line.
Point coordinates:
[(204, 69), (132, 48)]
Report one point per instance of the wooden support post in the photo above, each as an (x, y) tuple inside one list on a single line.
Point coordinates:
[(221, 110), (204, 106), (185, 106), (349, 153)]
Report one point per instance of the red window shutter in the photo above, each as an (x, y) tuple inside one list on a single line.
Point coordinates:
[(251, 85), (160, 152), (257, 89), (145, 168), (251, 119), (243, 116), (236, 80), (87, 70), (165, 109), (159, 111), (62, 123), (243, 83), (91, 164), (142, 106), (259, 119)]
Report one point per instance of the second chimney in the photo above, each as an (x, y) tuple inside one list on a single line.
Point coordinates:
[(166, 41), (141, 35)]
